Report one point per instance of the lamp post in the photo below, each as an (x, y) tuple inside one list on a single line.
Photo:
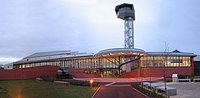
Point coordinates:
[(166, 64), (91, 81)]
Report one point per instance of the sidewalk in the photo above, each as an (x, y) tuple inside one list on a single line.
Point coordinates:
[(118, 91), (123, 80)]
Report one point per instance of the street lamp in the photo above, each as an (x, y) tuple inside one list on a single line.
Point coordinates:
[(91, 81)]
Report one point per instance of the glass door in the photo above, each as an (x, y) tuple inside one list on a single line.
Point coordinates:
[(109, 73)]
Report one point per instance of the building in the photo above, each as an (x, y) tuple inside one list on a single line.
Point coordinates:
[(197, 65), (8, 66), (116, 62)]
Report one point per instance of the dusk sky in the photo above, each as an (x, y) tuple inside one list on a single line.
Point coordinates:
[(29, 26)]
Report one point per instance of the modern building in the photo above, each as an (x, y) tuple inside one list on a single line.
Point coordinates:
[(8, 66), (117, 62), (197, 65)]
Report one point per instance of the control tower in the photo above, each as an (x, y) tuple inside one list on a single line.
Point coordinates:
[(126, 12)]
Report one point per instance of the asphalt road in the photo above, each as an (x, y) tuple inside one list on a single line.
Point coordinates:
[(118, 91)]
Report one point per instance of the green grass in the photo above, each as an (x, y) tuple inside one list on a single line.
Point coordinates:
[(41, 89)]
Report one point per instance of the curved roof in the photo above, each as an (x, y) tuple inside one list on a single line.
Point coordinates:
[(125, 51)]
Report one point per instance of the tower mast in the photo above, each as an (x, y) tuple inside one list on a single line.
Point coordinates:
[(126, 12)]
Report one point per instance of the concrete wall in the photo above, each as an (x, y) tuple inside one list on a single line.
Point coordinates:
[(28, 73)]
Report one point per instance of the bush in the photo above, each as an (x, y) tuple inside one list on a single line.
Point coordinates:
[(3, 90), (168, 79), (46, 78), (184, 76), (79, 83), (151, 94)]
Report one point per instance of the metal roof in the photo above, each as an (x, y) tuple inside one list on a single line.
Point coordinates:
[(197, 58), (121, 50), (47, 56), (41, 54), (172, 53)]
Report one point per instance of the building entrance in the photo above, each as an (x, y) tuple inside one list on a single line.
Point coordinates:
[(109, 72)]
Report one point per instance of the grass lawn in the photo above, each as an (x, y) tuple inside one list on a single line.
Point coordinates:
[(41, 89)]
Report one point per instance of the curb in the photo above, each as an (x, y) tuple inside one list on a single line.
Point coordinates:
[(140, 92), (109, 84), (95, 93)]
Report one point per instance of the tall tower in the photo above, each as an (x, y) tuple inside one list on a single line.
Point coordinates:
[(127, 13)]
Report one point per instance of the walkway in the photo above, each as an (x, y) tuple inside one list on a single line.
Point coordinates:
[(118, 91), (117, 87), (120, 80), (185, 89)]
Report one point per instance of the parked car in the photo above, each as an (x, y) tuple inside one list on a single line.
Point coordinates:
[(63, 74)]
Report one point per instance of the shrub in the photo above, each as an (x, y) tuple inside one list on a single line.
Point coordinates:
[(183, 76), (46, 78), (77, 82), (150, 93), (168, 79), (3, 90)]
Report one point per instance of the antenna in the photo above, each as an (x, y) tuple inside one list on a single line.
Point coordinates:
[(126, 12)]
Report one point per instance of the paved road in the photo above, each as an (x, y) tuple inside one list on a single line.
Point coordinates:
[(118, 91)]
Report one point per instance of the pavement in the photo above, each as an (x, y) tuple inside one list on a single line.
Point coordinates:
[(185, 89), (118, 87), (120, 80), (118, 91), (113, 88)]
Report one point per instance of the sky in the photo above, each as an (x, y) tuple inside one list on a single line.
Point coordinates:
[(29, 26)]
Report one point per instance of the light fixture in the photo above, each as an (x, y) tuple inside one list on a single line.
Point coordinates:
[(91, 81)]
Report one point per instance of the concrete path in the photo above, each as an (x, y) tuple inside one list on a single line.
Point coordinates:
[(118, 91), (185, 89), (122, 80), (109, 84)]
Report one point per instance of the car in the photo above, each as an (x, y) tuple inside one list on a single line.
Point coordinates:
[(63, 74)]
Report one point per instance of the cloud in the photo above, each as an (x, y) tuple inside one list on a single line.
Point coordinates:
[(29, 26), (4, 60)]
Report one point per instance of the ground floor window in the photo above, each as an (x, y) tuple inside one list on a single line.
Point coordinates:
[(168, 61)]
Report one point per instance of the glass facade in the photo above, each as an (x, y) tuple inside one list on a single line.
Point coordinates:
[(113, 62), (168, 61), (109, 66)]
